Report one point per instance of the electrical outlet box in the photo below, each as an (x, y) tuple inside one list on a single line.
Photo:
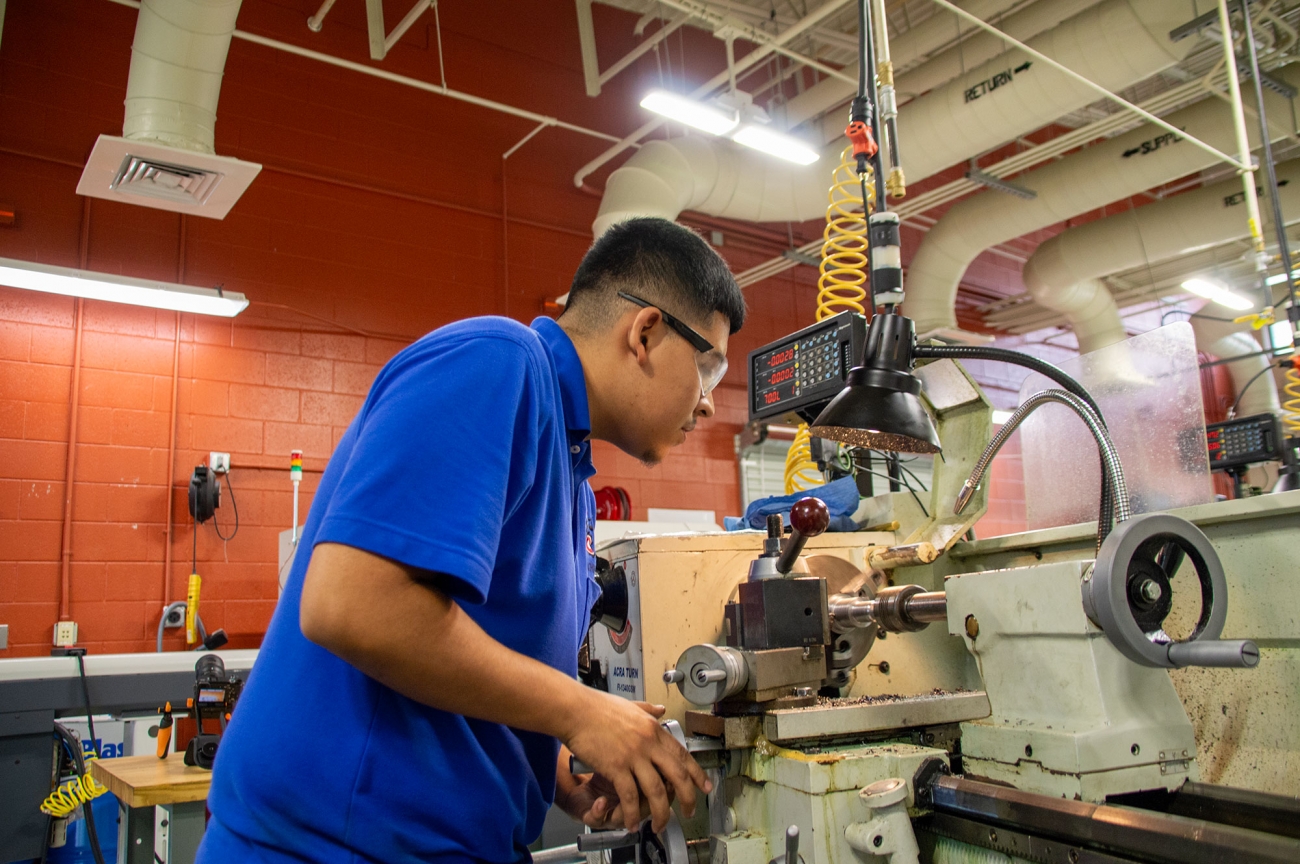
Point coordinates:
[(219, 462), (65, 634), (174, 618)]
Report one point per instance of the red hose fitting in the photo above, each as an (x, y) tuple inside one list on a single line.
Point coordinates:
[(859, 133)]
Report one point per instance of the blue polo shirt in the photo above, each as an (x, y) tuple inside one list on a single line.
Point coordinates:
[(468, 460)]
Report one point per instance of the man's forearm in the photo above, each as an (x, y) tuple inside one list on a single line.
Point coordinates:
[(413, 638)]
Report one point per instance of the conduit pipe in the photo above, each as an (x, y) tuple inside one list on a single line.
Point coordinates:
[(1115, 44), (1063, 273), (177, 60), (1117, 168)]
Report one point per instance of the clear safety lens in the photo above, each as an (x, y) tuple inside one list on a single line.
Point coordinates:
[(712, 366)]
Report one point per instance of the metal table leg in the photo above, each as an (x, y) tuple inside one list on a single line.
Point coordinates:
[(135, 835), (178, 830)]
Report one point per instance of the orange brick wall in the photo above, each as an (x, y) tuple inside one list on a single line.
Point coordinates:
[(378, 216)]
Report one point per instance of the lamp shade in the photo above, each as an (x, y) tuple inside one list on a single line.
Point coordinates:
[(879, 406)]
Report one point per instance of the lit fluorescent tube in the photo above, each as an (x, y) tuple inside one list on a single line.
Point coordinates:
[(120, 289), (776, 144), (1217, 294), (1282, 336), (695, 114), (1281, 277)]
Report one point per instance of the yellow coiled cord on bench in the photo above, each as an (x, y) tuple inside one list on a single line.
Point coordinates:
[(844, 242), (73, 794)]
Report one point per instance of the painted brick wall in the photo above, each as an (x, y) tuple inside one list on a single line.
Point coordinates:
[(378, 216)]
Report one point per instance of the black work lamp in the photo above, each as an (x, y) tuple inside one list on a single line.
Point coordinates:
[(879, 406)]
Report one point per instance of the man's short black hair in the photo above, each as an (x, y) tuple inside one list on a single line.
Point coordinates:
[(661, 262)]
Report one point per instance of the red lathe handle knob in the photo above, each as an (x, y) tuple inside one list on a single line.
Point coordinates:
[(808, 518)]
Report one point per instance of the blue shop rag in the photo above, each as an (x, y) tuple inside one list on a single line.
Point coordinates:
[(840, 497)]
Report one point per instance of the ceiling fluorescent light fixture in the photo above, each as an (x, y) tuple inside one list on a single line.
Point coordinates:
[(1217, 294), (120, 289), (775, 144), (1280, 278), (1282, 335), (694, 114)]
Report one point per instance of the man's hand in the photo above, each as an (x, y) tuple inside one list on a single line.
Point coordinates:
[(588, 798), (369, 610), (637, 757)]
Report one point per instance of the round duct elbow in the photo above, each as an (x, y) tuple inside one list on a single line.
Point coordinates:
[(1089, 309), (1225, 340), (714, 177), (177, 60)]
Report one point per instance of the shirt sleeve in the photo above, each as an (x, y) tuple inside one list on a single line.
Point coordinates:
[(446, 447)]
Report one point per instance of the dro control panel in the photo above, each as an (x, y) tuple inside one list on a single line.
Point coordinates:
[(801, 373)]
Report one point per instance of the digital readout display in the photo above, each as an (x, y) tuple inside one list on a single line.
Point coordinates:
[(787, 371)]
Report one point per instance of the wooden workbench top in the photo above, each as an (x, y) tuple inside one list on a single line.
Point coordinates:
[(144, 781)]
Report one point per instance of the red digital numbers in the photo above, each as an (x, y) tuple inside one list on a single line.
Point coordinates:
[(781, 357), (769, 398), (778, 377)]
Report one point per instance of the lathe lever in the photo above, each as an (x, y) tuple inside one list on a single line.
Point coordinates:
[(808, 518), (791, 855)]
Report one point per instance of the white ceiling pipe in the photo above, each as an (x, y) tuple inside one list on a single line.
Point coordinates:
[(1225, 340), (1063, 273), (1070, 187), (1115, 44), (1023, 24), (177, 60), (982, 47), (905, 50)]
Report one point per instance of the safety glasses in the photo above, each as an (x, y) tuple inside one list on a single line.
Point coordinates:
[(709, 361)]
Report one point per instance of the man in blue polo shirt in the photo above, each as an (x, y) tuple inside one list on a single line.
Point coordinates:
[(415, 697)]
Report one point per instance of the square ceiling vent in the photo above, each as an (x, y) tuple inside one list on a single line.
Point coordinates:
[(165, 178)]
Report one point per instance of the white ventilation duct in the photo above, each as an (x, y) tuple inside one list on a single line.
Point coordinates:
[(165, 158), (1063, 273), (1023, 25), (932, 34), (1106, 172), (1225, 340), (1114, 44)]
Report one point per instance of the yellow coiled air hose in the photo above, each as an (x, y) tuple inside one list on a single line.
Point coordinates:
[(844, 241), (841, 286), (73, 794), (1291, 420), (801, 471)]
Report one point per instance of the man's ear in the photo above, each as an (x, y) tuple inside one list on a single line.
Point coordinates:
[(644, 333)]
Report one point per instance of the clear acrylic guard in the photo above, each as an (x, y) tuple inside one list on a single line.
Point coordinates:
[(1149, 389)]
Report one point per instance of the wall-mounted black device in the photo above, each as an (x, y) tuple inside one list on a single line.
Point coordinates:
[(801, 373), (205, 493), (1244, 441)]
